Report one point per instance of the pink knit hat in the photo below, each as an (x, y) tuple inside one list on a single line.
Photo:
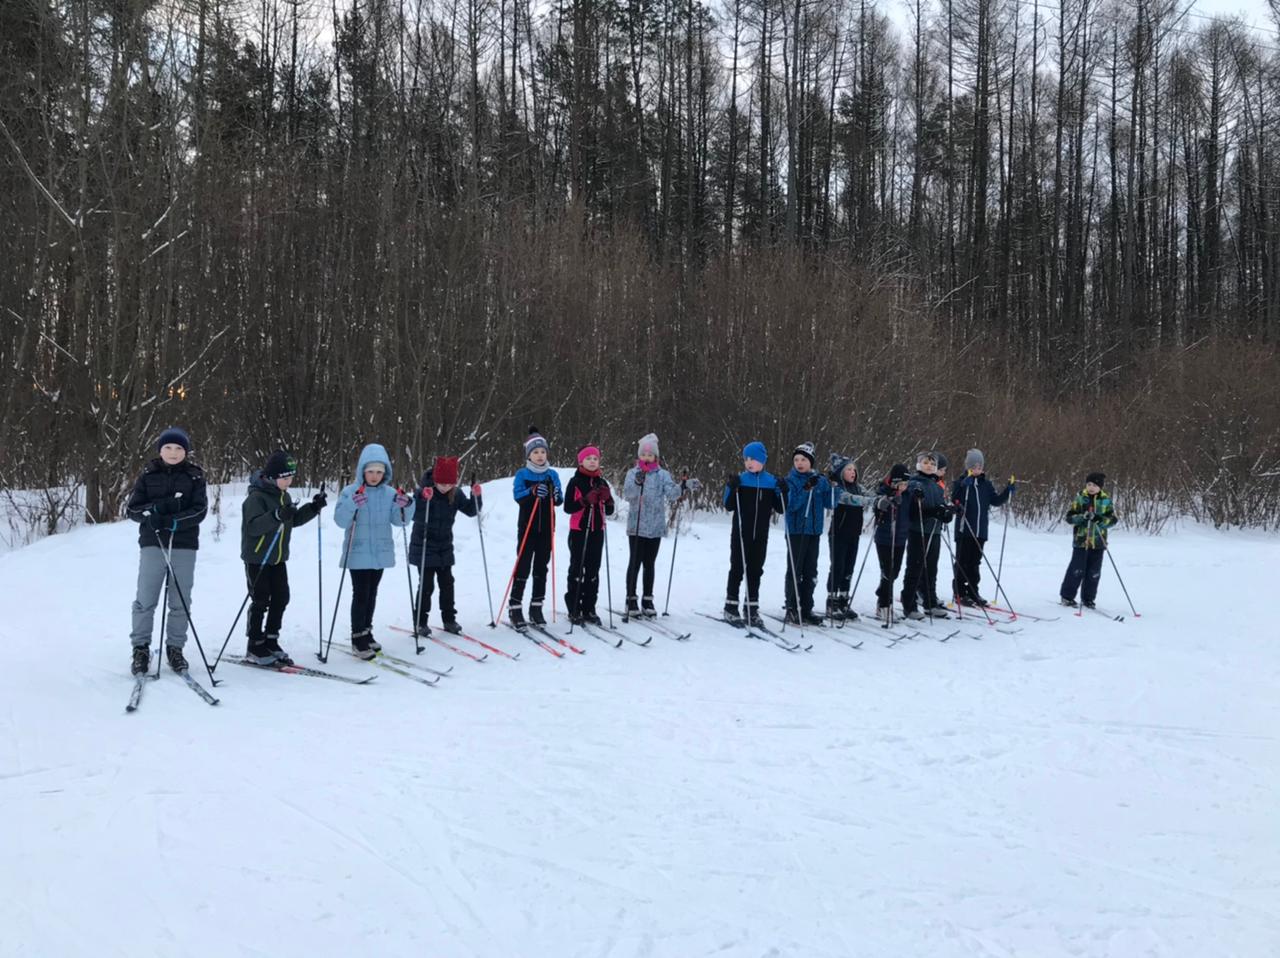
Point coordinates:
[(587, 451)]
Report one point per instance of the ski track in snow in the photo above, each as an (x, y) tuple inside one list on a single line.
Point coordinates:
[(1083, 788)]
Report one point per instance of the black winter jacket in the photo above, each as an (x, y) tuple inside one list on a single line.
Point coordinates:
[(176, 492), (434, 521), (926, 504)]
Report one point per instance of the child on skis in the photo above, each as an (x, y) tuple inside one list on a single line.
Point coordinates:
[(753, 496), (929, 514), (974, 496), (807, 496), (892, 526), (648, 488), (367, 509), (537, 489), (844, 534), (267, 521), (587, 500), (168, 502), (431, 544), (1092, 514)]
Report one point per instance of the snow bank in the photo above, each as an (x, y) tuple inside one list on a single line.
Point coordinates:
[(1080, 788)]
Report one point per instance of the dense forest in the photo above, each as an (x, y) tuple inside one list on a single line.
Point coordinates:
[(1042, 228)]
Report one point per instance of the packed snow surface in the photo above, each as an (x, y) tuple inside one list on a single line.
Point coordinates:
[(1082, 787)]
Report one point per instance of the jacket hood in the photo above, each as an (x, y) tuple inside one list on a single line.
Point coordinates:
[(374, 452), (260, 481)]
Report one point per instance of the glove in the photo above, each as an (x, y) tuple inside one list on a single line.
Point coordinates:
[(285, 511), (157, 520), (691, 485), (540, 490), (883, 503), (167, 506), (733, 483), (319, 500), (402, 498), (811, 482), (917, 493), (427, 493), (360, 498), (1013, 485), (475, 490), (640, 474), (558, 500)]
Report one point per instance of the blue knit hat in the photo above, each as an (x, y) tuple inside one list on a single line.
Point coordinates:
[(756, 450), (175, 435)]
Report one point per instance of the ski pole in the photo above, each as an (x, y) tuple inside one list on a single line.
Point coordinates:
[(795, 577), (186, 609), (924, 556), (742, 542), (1136, 613), (164, 612), (1005, 534), (408, 570), (865, 556), (893, 558), (608, 576), (999, 587), (319, 581), (959, 606), (337, 599), (576, 612), (427, 494), (520, 552), (484, 559), (675, 544), (252, 588), (552, 510)]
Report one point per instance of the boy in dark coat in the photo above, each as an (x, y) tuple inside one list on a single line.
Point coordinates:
[(431, 544), (536, 488), (807, 497), (168, 502), (974, 496), (844, 535), (753, 496), (1092, 514), (928, 512), (267, 521), (587, 500), (892, 526)]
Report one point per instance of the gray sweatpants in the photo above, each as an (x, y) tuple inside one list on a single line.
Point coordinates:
[(151, 576)]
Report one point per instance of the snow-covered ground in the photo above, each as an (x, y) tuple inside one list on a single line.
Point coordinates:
[(1083, 787)]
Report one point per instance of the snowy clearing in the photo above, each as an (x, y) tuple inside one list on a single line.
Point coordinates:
[(1082, 787)]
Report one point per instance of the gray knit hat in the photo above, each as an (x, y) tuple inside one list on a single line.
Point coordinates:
[(973, 459)]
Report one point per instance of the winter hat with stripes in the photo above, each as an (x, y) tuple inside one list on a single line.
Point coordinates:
[(535, 441)]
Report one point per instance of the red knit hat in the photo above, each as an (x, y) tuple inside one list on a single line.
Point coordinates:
[(445, 471)]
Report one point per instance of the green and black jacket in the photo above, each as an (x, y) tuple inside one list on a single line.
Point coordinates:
[(1092, 516), (259, 522)]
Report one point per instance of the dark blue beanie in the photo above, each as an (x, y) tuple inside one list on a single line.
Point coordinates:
[(175, 435)]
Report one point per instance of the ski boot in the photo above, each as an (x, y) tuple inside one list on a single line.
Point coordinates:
[(535, 614), (647, 609), (373, 643), (577, 618), (273, 643), (592, 618), (812, 618), (362, 645), (141, 660), (451, 626), (915, 615), (754, 619), (731, 614), (633, 608), (882, 613), (834, 610), (423, 631), (259, 651), (938, 612), (1089, 605), (177, 661), (791, 618), (1069, 603), (515, 615)]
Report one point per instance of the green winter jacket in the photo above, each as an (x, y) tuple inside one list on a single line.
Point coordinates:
[(1092, 516), (259, 523)]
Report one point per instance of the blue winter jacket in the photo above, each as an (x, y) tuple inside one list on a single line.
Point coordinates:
[(975, 495), (806, 514), (759, 496), (368, 543)]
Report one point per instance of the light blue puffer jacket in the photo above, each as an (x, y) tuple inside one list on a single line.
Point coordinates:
[(368, 535)]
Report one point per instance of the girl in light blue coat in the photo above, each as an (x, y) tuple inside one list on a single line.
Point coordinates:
[(648, 489), (367, 509)]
